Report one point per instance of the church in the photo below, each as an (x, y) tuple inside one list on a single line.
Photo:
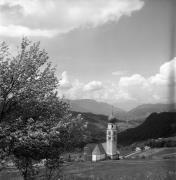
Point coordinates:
[(106, 150)]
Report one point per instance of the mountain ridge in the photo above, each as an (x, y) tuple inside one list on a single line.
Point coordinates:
[(144, 110), (138, 113), (95, 107)]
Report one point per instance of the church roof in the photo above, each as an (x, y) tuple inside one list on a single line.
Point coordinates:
[(98, 150), (112, 119), (90, 146), (104, 146)]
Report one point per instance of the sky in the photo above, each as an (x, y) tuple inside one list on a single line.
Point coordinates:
[(116, 51)]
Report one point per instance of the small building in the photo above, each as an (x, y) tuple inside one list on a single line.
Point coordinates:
[(138, 149), (106, 150), (88, 149), (98, 153), (146, 147)]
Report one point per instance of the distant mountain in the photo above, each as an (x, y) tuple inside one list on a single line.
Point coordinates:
[(143, 111), (157, 125), (92, 106), (140, 113)]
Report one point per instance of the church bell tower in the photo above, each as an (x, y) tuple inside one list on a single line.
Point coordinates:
[(111, 138)]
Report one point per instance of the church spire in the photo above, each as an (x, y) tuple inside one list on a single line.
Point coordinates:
[(111, 118), (112, 110)]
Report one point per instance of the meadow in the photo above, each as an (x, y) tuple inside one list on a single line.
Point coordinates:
[(112, 170), (131, 169), (123, 170)]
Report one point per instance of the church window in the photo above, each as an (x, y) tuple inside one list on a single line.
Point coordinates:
[(109, 137), (109, 132)]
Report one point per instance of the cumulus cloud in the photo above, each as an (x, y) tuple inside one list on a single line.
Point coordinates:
[(167, 70), (133, 80), (93, 86), (152, 89), (135, 89), (135, 86), (65, 82), (63, 15), (14, 30)]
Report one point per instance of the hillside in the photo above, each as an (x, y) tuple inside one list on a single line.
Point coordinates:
[(140, 113), (97, 125), (154, 153), (144, 110), (155, 126)]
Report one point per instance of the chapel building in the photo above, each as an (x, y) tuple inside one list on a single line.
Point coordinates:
[(106, 150)]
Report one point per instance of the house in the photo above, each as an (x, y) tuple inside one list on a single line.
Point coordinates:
[(106, 150), (98, 153), (146, 148), (138, 149), (88, 149)]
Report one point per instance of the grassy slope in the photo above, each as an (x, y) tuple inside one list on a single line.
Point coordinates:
[(156, 153), (115, 170), (155, 126), (125, 170)]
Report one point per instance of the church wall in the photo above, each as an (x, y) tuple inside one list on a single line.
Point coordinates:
[(111, 140), (98, 157)]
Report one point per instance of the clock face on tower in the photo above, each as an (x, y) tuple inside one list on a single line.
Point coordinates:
[(111, 135)]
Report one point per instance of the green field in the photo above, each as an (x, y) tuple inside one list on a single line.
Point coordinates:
[(155, 153), (113, 170), (125, 170), (166, 152)]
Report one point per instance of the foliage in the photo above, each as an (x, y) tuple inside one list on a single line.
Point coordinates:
[(25, 80), (35, 125), (36, 141), (96, 125), (162, 142)]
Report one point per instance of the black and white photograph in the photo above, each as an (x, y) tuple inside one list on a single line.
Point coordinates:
[(87, 89)]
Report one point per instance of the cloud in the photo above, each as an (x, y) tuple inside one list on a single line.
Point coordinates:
[(10, 10), (152, 89), (133, 80), (119, 73), (15, 31), (93, 86), (63, 15), (136, 86), (65, 82), (167, 70), (134, 89)]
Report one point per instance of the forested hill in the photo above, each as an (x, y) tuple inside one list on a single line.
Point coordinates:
[(155, 126), (97, 125), (144, 110)]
